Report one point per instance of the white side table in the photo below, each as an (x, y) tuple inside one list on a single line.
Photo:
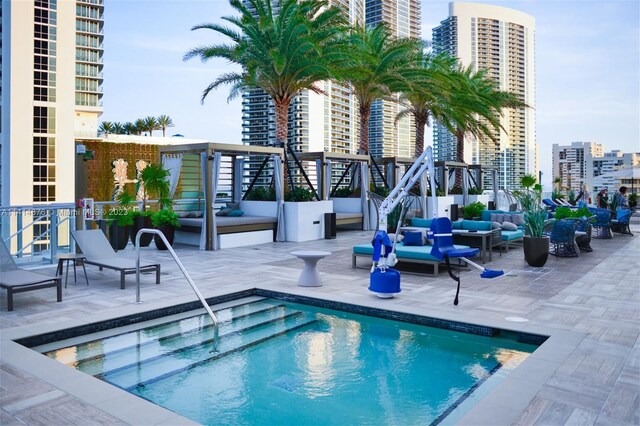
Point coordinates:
[(310, 277)]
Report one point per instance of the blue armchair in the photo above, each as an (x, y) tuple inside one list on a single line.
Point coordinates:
[(602, 223), (621, 223), (562, 235)]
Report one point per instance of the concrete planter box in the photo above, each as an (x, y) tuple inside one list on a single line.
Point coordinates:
[(347, 205), (484, 199), (444, 206), (259, 208), (304, 221)]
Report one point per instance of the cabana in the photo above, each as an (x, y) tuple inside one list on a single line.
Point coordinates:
[(210, 172), (390, 170), (332, 170)]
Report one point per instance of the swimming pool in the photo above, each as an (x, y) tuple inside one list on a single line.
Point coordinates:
[(281, 363)]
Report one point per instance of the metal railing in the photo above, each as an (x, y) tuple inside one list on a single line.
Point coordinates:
[(184, 272), (30, 227)]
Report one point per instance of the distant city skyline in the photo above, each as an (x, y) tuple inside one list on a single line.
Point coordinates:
[(587, 64)]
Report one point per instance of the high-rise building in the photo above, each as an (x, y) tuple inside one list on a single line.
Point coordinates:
[(51, 94), (570, 163), (599, 169), (501, 41), (317, 122), (386, 138)]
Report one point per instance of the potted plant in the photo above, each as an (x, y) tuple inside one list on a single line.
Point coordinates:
[(165, 220), (633, 200), (535, 244), (473, 210), (119, 220), (155, 178)]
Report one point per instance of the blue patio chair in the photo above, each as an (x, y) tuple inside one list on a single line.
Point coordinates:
[(602, 223), (443, 248), (584, 240), (562, 236), (621, 223)]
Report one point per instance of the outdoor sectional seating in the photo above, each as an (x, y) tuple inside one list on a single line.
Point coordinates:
[(509, 237), (410, 254)]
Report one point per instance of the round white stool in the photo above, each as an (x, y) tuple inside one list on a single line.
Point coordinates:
[(310, 277)]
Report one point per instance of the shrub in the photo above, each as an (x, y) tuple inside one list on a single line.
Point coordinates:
[(299, 194), (164, 217), (261, 194), (473, 210)]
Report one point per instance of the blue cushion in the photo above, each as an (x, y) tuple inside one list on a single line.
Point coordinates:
[(512, 235), (235, 213), (420, 222), (456, 225), (476, 225), (405, 252), (413, 238)]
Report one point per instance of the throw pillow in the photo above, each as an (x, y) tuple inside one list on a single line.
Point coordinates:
[(183, 214), (199, 214), (518, 219), (496, 225), (224, 212), (392, 237), (508, 217), (413, 238), (508, 226), (235, 213), (191, 214), (497, 217), (233, 206)]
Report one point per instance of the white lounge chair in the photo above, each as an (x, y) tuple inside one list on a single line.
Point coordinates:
[(17, 280), (98, 251)]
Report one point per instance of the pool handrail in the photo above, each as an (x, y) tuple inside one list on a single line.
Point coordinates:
[(184, 272)]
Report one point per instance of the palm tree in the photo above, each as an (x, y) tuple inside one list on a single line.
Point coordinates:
[(429, 92), (106, 127), (140, 126), (150, 124), (475, 108), (163, 122), (377, 67), (281, 51), (118, 128), (130, 128)]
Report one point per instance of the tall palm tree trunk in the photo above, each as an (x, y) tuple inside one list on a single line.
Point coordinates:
[(421, 122), (365, 114), (459, 156), (282, 131)]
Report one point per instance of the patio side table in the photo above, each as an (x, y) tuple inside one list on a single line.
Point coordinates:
[(71, 257), (310, 277)]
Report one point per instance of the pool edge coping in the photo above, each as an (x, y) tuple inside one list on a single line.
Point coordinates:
[(505, 403)]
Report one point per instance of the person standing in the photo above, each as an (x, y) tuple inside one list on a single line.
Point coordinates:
[(621, 198), (602, 199)]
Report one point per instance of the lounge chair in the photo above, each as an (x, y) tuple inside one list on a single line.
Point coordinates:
[(17, 280), (550, 203), (96, 248)]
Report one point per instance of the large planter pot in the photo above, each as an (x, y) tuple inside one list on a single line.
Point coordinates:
[(140, 222), (169, 233), (536, 250), (118, 236)]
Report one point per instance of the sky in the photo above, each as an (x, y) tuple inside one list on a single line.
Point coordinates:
[(587, 69)]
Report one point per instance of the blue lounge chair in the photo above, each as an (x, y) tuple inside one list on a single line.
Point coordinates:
[(550, 203)]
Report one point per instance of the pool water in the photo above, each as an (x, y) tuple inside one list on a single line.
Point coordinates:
[(285, 363)]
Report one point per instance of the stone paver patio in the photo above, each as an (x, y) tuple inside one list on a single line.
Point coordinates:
[(590, 305)]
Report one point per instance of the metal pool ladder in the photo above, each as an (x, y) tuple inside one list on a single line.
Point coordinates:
[(184, 271)]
